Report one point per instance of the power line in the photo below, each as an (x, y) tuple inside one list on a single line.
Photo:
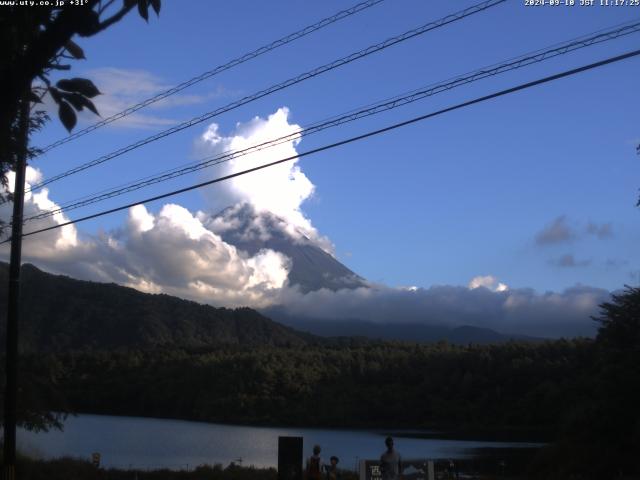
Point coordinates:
[(219, 69), (280, 86), (389, 128), (372, 109)]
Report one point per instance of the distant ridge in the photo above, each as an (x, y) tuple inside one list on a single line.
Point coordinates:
[(398, 331), (61, 313)]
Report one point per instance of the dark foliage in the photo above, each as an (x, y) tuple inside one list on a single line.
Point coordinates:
[(70, 468), (36, 41), (59, 313), (601, 436), (506, 387)]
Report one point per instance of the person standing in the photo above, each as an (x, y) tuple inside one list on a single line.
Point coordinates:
[(314, 465), (332, 469), (390, 462)]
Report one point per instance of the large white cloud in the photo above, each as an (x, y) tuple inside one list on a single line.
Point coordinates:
[(280, 189), (62, 242), (171, 252)]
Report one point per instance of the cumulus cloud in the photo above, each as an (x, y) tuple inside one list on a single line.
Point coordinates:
[(62, 242), (175, 253), (569, 261), (558, 231), (489, 281), (171, 252), (280, 189)]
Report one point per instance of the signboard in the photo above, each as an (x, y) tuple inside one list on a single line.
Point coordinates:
[(411, 470), (95, 459), (289, 458)]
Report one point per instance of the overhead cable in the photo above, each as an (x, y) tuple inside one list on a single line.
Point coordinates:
[(215, 71), (356, 138), (372, 109), (279, 86)]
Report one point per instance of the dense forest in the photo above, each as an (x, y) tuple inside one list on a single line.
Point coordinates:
[(510, 386)]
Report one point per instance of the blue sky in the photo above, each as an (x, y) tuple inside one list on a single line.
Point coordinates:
[(474, 192)]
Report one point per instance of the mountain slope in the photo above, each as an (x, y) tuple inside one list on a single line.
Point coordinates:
[(60, 313), (311, 267)]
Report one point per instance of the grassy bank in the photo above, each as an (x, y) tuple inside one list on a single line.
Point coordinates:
[(76, 469), (72, 468)]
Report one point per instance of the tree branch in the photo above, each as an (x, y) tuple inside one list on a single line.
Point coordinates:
[(114, 18)]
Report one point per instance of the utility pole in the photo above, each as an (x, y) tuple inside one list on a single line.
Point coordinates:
[(11, 385)]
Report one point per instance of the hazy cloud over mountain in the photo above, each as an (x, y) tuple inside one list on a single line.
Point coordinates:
[(520, 311)]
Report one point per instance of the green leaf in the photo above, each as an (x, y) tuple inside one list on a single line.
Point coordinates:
[(55, 94), (67, 116), (156, 6), (79, 85), (75, 50), (79, 102), (74, 99), (143, 9), (88, 22), (89, 104)]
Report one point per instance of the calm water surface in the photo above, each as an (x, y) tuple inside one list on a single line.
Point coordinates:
[(132, 442)]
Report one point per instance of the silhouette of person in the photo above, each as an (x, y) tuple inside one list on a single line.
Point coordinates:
[(332, 468), (390, 462), (314, 464)]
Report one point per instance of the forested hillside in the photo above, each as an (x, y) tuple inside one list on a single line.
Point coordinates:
[(512, 386), (59, 313)]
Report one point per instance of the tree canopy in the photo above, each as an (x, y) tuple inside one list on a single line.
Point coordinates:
[(37, 41)]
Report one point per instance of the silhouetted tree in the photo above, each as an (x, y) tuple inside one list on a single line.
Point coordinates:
[(37, 40), (601, 434)]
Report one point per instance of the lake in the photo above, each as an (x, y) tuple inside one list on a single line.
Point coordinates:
[(149, 443)]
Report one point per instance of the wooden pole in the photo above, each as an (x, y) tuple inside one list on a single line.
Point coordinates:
[(11, 385)]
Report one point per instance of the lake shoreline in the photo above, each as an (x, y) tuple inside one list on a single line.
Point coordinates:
[(498, 434), (161, 443)]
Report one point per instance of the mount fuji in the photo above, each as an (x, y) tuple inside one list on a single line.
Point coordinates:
[(312, 268)]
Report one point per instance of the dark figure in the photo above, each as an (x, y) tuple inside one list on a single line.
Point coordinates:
[(332, 468), (314, 464), (452, 470), (390, 462)]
